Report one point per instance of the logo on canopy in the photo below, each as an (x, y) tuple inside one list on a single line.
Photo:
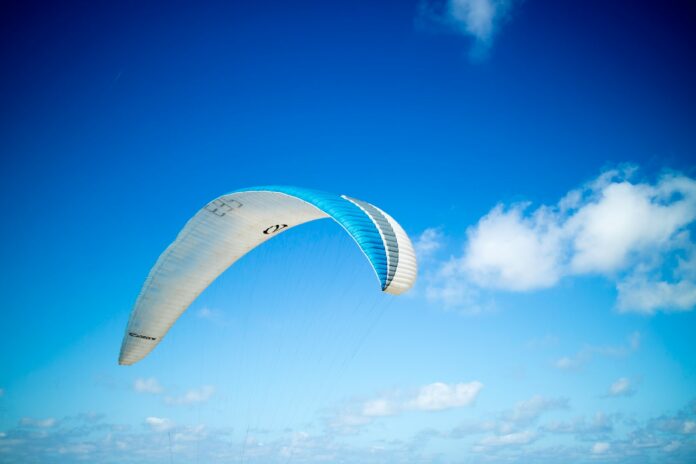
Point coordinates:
[(275, 228)]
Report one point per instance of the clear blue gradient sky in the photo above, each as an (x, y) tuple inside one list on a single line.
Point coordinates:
[(119, 120)]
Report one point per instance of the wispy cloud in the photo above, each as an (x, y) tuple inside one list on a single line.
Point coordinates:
[(428, 242), (531, 409), (672, 446), (509, 439), (600, 447), (213, 315), (478, 19), (621, 387), (40, 423), (149, 385), (513, 428), (589, 351), (637, 234), (193, 396), (599, 425)]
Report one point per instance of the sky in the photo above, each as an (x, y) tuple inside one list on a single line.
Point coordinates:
[(541, 156)]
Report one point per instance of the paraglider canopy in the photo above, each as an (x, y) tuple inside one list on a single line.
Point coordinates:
[(232, 225)]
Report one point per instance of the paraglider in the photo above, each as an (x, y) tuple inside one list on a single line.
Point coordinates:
[(232, 225)]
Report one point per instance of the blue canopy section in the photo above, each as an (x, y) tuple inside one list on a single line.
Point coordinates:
[(353, 219)]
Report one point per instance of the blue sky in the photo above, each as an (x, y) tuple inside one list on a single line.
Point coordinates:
[(539, 154)]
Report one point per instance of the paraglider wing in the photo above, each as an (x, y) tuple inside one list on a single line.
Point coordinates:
[(230, 226)]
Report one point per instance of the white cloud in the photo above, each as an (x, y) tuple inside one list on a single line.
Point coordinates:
[(506, 250), (636, 234), (194, 396), (622, 387), (150, 385), (437, 396), (478, 19), (427, 243), (432, 397), (600, 447), (159, 424)]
